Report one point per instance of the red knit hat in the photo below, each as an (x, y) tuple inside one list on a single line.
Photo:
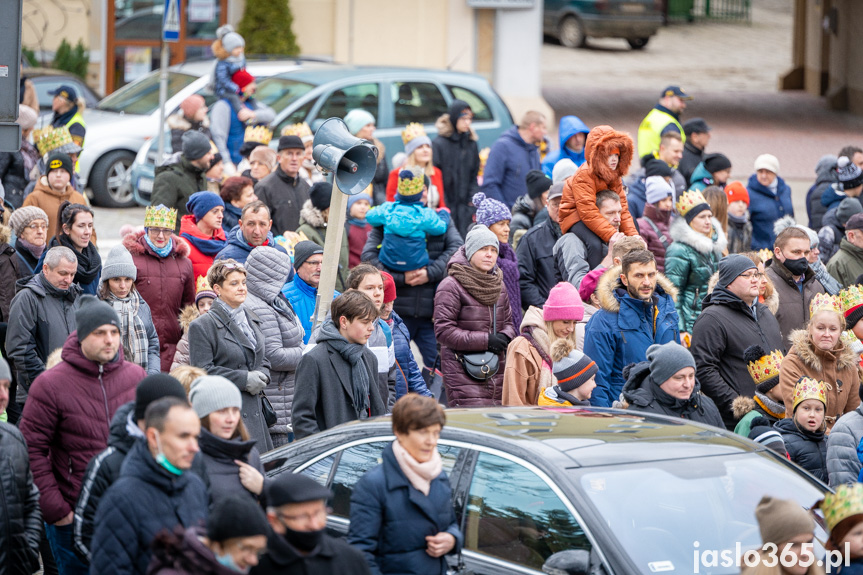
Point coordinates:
[(389, 287), (563, 303), (242, 78), (737, 192)]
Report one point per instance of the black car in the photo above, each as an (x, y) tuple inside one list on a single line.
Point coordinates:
[(46, 80), (601, 490), (572, 22)]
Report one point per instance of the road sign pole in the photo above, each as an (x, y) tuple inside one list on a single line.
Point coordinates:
[(163, 98)]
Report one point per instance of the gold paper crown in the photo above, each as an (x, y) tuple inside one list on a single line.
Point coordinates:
[(848, 339), (851, 297), (825, 302), (260, 134), (201, 284), (766, 367), (765, 254), (160, 217), (809, 388), (51, 139), (412, 131), (301, 130), (483, 158), (689, 200), (846, 502), (414, 185)]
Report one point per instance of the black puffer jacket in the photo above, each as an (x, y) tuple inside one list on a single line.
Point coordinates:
[(457, 155), (13, 177), (219, 456), (20, 519), (805, 448), (536, 269)]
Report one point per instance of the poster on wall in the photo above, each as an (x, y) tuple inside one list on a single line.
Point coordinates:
[(138, 62), (202, 10)]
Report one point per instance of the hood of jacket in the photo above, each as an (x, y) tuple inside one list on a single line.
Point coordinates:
[(771, 301), (700, 174), (177, 162), (753, 185), (610, 281), (34, 284), (533, 322), (122, 434), (599, 140), (851, 249), (445, 129), (524, 205), (311, 215), (179, 122), (187, 315), (137, 245), (73, 355), (267, 273), (825, 170), (722, 296), (42, 186), (783, 223), (682, 232), (570, 126), (188, 226), (640, 391), (814, 358), (513, 136)]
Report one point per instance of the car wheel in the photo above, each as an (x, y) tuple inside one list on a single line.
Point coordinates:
[(638, 43), (571, 33), (110, 180)]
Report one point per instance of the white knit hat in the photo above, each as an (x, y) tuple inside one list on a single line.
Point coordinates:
[(119, 264)]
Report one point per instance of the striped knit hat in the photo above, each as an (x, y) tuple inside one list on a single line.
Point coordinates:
[(571, 367)]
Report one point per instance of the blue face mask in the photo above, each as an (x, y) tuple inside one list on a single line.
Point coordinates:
[(162, 460), (227, 560)]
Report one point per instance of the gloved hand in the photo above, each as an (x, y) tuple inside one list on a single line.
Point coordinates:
[(497, 342), (256, 381)]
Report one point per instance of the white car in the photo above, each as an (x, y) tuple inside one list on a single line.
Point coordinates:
[(122, 122)]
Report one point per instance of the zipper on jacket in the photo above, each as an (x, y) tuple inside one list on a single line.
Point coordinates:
[(105, 398)]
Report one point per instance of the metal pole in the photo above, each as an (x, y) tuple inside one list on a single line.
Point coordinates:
[(163, 98), (332, 249)]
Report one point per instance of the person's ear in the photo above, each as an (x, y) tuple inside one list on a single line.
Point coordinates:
[(623, 280)]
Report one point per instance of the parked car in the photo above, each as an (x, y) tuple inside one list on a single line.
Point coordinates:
[(629, 492), (572, 22), (120, 124), (46, 80)]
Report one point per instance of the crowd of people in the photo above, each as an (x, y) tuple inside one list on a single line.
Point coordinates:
[(146, 385)]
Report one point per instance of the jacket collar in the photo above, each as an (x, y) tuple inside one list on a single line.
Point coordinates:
[(853, 250), (815, 358), (396, 479), (234, 332), (283, 553), (73, 355), (294, 181), (662, 108), (609, 282), (141, 464), (682, 232), (781, 271), (225, 449), (304, 288)]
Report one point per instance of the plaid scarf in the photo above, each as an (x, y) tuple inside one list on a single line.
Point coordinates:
[(132, 330)]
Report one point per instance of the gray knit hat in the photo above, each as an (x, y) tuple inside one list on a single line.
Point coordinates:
[(666, 360), (211, 393), (731, 267), (195, 145), (5, 372), (24, 216), (477, 238), (571, 367), (846, 208), (119, 264), (229, 38), (92, 314)]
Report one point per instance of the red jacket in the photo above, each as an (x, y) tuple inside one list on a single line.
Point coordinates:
[(201, 262), (167, 285), (66, 422)]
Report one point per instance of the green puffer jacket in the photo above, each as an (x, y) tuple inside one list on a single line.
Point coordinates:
[(689, 263)]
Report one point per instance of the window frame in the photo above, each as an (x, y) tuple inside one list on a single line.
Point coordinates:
[(394, 86)]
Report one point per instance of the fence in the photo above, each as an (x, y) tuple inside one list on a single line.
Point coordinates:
[(722, 10)]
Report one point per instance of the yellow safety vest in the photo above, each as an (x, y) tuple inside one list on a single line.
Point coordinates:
[(77, 119), (650, 131)]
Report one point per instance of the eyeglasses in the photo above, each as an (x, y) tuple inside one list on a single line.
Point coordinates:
[(752, 276), (156, 232), (36, 227), (315, 264)]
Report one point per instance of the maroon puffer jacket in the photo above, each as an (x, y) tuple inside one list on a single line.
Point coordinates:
[(654, 244), (66, 421), (462, 324), (167, 285)]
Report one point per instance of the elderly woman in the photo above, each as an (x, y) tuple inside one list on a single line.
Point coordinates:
[(268, 269), (820, 353), (140, 342), (262, 162), (228, 341), (665, 384), (76, 233), (30, 225), (471, 316), (402, 516), (236, 192), (202, 230)]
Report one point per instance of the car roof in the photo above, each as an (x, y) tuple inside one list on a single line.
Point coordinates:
[(255, 67), (322, 73)]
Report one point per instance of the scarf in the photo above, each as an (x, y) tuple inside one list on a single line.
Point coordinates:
[(359, 222), (89, 261), (483, 287), (420, 475), (35, 251), (207, 246), (353, 354), (238, 316), (161, 252), (134, 334), (60, 120)]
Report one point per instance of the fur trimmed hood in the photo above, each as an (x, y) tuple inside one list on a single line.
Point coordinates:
[(219, 51), (5, 234), (312, 216), (179, 122), (742, 405), (771, 301), (682, 232), (610, 280), (845, 356), (600, 140), (133, 242), (444, 128), (187, 315)]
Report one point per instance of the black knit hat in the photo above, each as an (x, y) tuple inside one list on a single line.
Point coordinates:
[(59, 161), (657, 167), (93, 313), (716, 163), (155, 387), (304, 250), (320, 194), (236, 516), (295, 488), (537, 183)]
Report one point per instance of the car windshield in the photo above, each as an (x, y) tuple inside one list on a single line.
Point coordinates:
[(667, 515), (142, 97), (278, 93)]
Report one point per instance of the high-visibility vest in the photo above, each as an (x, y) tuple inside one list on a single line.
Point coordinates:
[(78, 118), (650, 131)]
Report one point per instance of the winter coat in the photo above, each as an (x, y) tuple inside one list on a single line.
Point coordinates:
[(358, 234), (239, 249), (621, 332), (508, 264), (793, 310), (536, 270), (837, 368), (692, 157), (436, 182), (313, 225), (45, 197), (406, 226), (739, 234), (184, 553), (636, 190), (281, 328), (462, 325), (20, 518), (175, 182), (219, 456), (509, 161), (332, 555), (12, 175), (218, 346), (807, 449), (179, 125), (829, 236), (825, 177), (651, 222), (527, 373), (201, 262), (409, 378), (27, 262), (641, 393), (187, 316), (577, 252), (145, 500), (39, 323), (765, 208), (701, 178), (847, 264), (746, 409), (284, 196), (9, 273), (390, 519), (230, 218), (167, 285), (67, 418), (722, 332), (569, 126), (325, 398), (843, 464), (689, 263), (579, 193), (457, 155)]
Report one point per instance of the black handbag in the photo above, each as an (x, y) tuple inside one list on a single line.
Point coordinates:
[(481, 365), (270, 416)]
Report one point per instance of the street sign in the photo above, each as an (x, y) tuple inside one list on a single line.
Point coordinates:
[(171, 21)]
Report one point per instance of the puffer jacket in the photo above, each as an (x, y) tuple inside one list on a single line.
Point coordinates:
[(175, 182), (9, 273), (825, 177), (793, 313), (658, 243), (700, 178), (508, 264), (67, 418), (462, 325), (167, 285), (187, 316), (536, 270), (267, 270), (524, 217), (219, 456), (313, 225), (528, 366), (568, 127), (765, 208), (689, 263), (509, 161), (457, 155), (808, 449), (579, 193), (641, 393), (843, 464), (409, 378), (20, 518), (239, 249), (406, 226), (847, 264)]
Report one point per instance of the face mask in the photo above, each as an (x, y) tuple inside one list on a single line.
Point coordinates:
[(162, 460), (797, 267), (303, 540), (227, 560)]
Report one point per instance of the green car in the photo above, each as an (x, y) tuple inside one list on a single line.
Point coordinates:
[(573, 21)]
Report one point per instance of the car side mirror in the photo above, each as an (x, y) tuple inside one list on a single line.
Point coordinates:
[(569, 562)]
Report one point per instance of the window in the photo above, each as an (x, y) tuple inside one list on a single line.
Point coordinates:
[(343, 100), (480, 109), (295, 117), (417, 102), (320, 470), (514, 515), (142, 97), (279, 93)]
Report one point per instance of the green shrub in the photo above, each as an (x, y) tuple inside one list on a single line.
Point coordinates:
[(74, 60), (266, 27)]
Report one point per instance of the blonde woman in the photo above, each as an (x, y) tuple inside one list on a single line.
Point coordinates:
[(419, 153)]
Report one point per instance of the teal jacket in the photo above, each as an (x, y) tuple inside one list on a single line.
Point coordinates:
[(701, 178)]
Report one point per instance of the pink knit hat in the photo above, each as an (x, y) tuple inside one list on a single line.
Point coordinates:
[(589, 282), (563, 303)]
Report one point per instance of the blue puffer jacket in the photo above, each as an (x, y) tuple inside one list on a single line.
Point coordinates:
[(569, 126), (302, 297), (509, 161), (408, 375), (701, 178), (405, 228), (145, 500), (621, 332), (390, 520), (239, 249), (765, 208)]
